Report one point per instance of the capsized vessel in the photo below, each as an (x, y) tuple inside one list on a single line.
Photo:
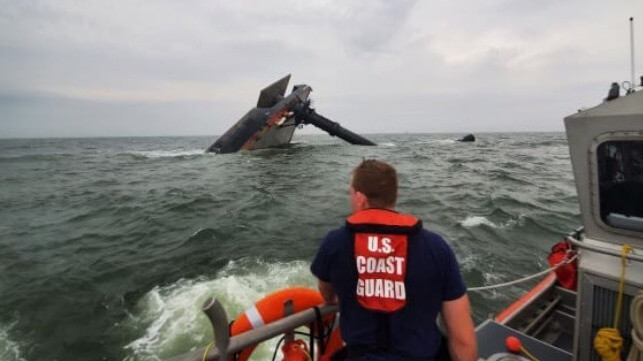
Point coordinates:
[(273, 121)]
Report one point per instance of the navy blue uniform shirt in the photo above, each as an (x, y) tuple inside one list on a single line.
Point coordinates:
[(432, 276)]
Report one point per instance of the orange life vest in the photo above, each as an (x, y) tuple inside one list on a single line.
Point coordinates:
[(380, 250)]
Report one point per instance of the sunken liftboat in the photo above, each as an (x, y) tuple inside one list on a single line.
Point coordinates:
[(273, 121), (587, 306)]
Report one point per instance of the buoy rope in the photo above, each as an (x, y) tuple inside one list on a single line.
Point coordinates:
[(524, 279), (207, 350), (608, 341), (636, 315), (621, 284), (529, 354)]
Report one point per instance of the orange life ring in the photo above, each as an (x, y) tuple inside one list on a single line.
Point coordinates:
[(271, 308)]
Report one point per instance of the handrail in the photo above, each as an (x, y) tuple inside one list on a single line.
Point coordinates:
[(574, 238), (252, 337)]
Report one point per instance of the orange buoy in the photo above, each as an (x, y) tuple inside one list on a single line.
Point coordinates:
[(271, 308)]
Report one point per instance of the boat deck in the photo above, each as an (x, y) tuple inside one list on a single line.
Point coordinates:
[(491, 344)]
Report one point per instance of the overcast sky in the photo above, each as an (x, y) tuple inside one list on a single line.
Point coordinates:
[(136, 67)]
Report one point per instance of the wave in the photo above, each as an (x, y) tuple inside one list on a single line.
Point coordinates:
[(475, 221), (9, 349), (388, 145), (169, 153), (436, 141), (35, 157), (169, 318)]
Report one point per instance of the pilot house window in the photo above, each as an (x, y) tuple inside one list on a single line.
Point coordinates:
[(620, 179)]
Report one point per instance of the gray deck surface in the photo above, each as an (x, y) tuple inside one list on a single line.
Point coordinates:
[(491, 340)]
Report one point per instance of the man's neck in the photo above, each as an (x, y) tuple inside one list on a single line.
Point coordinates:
[(392, 209)]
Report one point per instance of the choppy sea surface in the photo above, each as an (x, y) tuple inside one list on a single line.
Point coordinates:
[(109, 246)]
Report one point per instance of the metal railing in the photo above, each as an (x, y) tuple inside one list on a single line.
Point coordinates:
[(575, 239), (225, 345)]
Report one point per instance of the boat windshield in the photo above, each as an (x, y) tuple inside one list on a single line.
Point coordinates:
[(620, 177)]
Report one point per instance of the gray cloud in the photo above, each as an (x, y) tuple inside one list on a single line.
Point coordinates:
[(72, 68)]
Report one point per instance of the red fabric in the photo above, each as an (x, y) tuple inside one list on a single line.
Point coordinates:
[(567, 273), (381, 269), (384, 217), (295, 350)]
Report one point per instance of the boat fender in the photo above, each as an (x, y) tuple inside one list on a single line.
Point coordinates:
[(566, 273), (295, 350)]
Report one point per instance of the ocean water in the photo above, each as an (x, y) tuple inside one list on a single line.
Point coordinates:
[(108, 246)]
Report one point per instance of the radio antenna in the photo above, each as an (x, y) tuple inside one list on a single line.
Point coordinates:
[(632, 54)]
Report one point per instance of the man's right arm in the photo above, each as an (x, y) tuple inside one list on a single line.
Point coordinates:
[(461, 335), (320, 268), (328, 292)]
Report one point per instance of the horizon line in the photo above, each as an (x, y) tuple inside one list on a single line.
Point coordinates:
[(218, 135)]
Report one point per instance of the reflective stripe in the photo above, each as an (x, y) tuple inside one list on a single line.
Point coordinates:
[(254, 317)]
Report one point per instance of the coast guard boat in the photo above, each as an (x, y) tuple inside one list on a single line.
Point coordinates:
[(598, 278), (588, 306)]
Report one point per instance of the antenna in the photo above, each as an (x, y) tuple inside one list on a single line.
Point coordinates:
[(632, 52)]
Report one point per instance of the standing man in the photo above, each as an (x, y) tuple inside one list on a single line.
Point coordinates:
[(391, 277)]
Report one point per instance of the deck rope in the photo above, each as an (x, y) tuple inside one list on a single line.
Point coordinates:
[(608, 342), (524, 279), (636, 315), (207, 350)]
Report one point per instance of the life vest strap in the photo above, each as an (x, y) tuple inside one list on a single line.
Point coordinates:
[(374, 220)]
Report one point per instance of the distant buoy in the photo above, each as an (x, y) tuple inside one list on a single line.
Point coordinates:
[(467, 138)]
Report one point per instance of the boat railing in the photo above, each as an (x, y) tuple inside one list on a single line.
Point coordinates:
[(225, 345), (575, 239)]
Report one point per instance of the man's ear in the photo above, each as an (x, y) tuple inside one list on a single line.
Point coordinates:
[(363, 200)]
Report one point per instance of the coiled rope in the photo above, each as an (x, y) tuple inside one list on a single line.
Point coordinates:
[(524, 279), (608, 342), (636, 315)]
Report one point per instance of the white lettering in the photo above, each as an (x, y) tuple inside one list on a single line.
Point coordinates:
[(373, 244), (386, 245), (399, 261), (388, 289), (379, 289), (381, 265), (400, 291), (361, 264), (360, 287), (390, 267), (370, 264), (369, 288)]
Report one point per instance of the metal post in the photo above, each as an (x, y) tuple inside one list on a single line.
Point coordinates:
[(289, 310), (219, 321), (254, 336)]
